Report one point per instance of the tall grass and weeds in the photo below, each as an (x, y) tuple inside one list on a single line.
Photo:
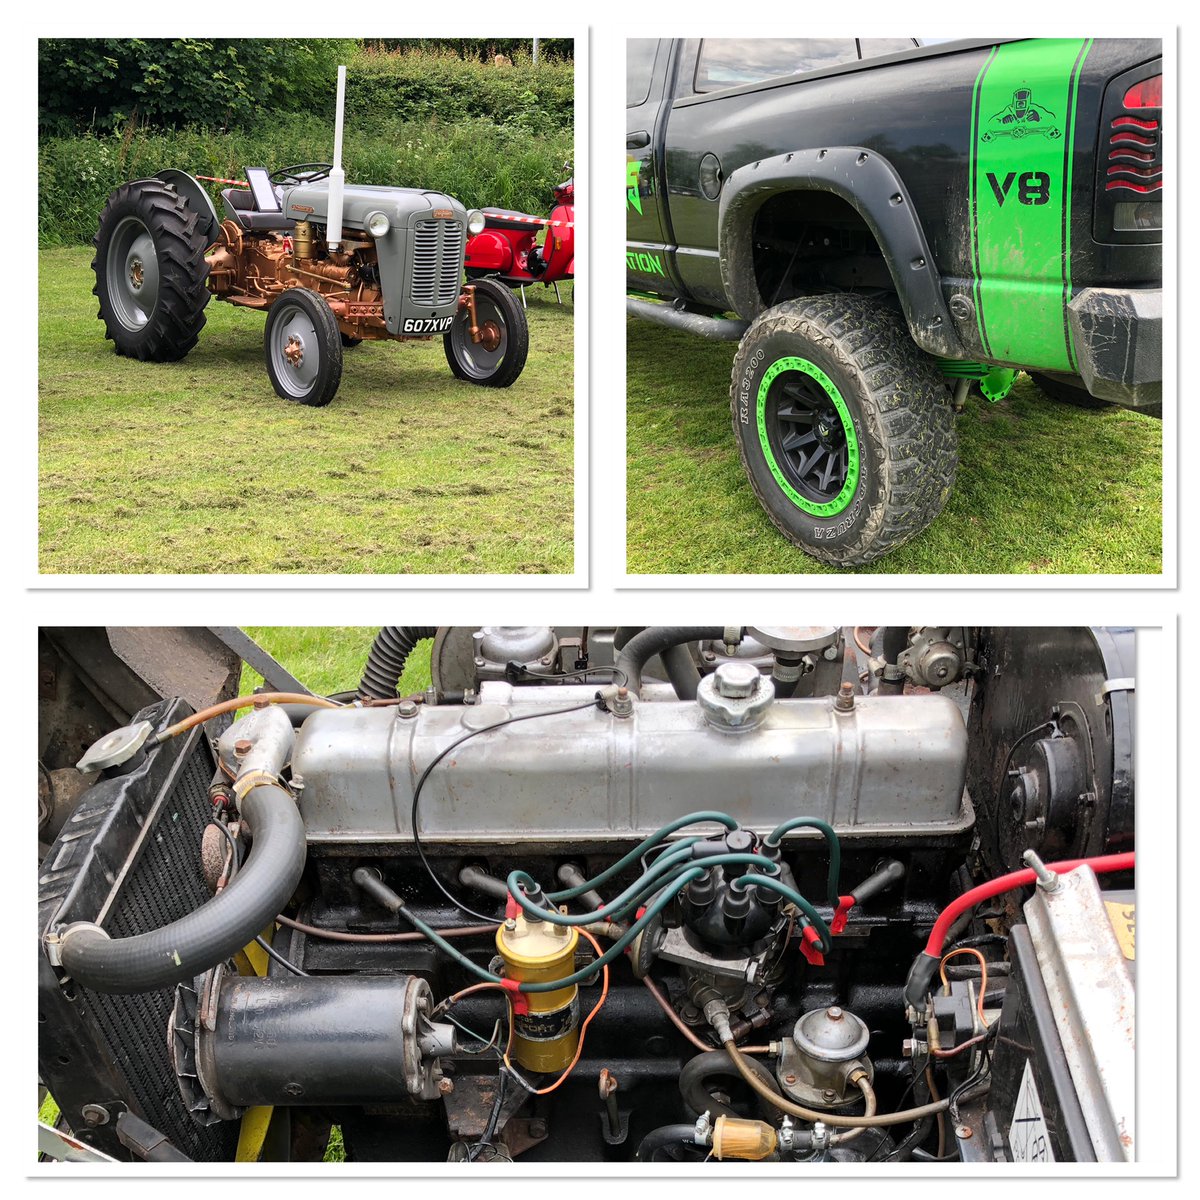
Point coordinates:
[(487, 135)]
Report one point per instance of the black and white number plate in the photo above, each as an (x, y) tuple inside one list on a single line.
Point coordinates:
[(427, 324)]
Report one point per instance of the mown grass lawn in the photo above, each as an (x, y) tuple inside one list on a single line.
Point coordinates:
[(1042, 487), (198, 467)]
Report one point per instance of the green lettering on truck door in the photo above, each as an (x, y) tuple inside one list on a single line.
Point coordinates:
[(1022, 143)]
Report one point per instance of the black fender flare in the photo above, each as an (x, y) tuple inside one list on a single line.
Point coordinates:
[(873, 187)]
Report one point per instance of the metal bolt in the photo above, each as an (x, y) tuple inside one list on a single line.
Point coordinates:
[(297, 783), (407, 708), (829, 1094), (844, 701), (95, 1114), (445, 1086), (834, 1013), (1047, 880), (537, 1128), (962, 1132), (510, 924), (242, 747), (829, 653), (789, 1079)]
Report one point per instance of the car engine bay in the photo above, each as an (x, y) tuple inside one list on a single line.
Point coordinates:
[(810, 894)]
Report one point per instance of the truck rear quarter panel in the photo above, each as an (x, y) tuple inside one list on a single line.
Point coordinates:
[(996, 144)]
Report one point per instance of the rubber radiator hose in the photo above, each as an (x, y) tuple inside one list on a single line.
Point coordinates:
[(668, 1137), (385, 662), (186, 948), (718, 1064), (658, 639), (676, 660)]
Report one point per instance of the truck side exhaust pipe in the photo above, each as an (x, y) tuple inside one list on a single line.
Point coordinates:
[(337, 177), (715, 328)]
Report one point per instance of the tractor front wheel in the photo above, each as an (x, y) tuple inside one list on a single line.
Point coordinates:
[(498, 358), (150, 271), (303, 348)]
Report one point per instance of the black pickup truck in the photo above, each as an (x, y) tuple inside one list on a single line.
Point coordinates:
[(892, 225)]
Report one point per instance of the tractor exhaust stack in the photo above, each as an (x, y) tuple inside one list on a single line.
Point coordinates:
[(337, 177)]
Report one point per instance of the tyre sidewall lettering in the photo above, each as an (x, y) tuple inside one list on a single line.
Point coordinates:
[(748, 386)]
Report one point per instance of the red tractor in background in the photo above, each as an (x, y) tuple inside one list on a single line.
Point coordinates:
[(508, 248)]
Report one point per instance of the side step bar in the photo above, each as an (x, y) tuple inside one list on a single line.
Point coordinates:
[(715, 328)]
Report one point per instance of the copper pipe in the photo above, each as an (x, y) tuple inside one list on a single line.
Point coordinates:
[(256, 700)]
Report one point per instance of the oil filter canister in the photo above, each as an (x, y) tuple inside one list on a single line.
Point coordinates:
[(546, 1036)]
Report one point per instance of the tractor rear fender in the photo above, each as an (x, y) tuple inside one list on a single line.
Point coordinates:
[(197, 198), (871, 185)]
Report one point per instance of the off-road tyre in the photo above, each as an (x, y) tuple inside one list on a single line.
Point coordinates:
[(884, 418), (302, 321), (1067, 393), (147, 226), (473, 362)]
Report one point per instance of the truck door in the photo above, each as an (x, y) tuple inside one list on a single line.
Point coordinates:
[(647, 67)]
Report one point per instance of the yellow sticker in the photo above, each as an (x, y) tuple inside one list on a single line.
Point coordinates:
[(1124, 923)]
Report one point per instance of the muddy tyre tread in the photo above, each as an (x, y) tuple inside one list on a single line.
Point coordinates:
[(916, 451)]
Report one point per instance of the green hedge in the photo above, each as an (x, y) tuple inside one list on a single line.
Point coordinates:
[(418, 85), (478, 161), (101, 83), (112, 84)]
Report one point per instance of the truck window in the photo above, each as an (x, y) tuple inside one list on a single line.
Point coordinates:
[(729, 62), (639, 68), (874, 47)]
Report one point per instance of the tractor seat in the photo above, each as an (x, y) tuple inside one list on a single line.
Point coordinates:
[(504, 218), (239, 206)]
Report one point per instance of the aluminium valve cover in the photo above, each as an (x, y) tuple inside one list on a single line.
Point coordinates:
[(892, 764)]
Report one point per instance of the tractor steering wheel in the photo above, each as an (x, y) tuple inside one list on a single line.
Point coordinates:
[(301, 173)]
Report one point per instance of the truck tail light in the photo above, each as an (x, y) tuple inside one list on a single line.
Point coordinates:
[(1146, 94), (1129, 173)]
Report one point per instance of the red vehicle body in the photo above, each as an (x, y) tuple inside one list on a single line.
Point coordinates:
[(508, 247)]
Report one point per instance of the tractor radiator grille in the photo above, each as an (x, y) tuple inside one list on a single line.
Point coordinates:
[(437, 263), (165, 886)]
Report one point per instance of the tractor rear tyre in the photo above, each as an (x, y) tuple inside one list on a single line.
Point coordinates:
[(844, 427), (498, 358), (150, 271), (303, 347)]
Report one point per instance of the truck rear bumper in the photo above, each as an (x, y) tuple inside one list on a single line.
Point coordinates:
[(1118, 340)]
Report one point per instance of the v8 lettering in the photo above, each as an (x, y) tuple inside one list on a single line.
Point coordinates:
[(1033, 187)]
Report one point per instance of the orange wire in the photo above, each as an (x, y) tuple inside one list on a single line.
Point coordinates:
[(983, 979), (582, 1029), (467, 991)]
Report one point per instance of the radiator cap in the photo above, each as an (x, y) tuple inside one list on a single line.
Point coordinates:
[(115, 748)]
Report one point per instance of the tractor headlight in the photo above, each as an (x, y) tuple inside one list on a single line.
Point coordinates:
[(475, 221), (378, 224)]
